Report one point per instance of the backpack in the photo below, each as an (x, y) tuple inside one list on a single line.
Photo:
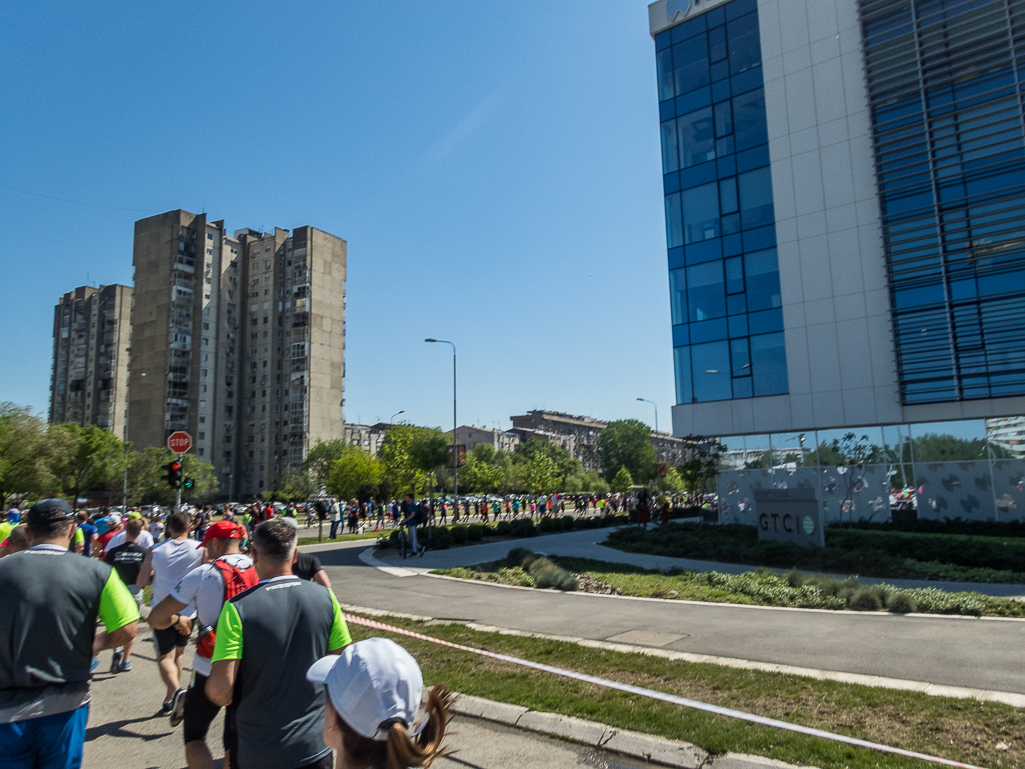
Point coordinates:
[(236, 581), (420, 518)]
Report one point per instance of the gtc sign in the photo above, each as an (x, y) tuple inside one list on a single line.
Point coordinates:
[(179, 442)]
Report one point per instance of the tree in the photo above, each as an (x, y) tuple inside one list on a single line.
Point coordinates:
[(146, 477), (203, 475), (623, 481), (321, 459), (84, 459), (355, 475), (671, 481), (541, 474), (850, 455), (298, 485), (23, 452), (411, 454), (627, 443)]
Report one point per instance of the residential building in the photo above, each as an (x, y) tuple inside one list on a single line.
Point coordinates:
[(367, 437), (242, 339), (91, 331), (471, 437), (579, 436), (1007, 433), (844, 188)]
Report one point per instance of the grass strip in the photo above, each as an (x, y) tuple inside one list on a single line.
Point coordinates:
[(340, 538), (980, 733), (754, 588), (886, 554)]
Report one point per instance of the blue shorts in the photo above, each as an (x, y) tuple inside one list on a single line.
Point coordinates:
[(47, 742)]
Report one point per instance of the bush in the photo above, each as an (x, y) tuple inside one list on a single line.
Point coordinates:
[(547, 575), (458, 534), (900, 604), (440, 539), (517, 554), (475, 532), (866, 599), (547, 525), (568, 522), (522, 527), (503, 529)]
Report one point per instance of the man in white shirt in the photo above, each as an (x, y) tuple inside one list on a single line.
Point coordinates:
[(164, 567), (145, 539), (226, 574)]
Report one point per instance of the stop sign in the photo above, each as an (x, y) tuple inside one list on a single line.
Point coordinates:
[(179, 442)]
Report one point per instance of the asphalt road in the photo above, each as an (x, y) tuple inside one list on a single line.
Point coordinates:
[(964, 652), (125, 731)]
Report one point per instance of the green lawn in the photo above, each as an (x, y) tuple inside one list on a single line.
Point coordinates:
[(984, 734), (759, 588), (341, 537)]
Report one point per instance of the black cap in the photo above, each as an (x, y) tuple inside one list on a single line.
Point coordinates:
[(48, 511)]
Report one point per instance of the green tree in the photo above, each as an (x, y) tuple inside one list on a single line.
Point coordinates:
[(355, 475), (321, 459), (298, 485), (146, 481), (623, 481), (410, 455), (627, 443), (24, 451), (541, 474), (203, 475), (671, 482), (84, 459), (595, 483)]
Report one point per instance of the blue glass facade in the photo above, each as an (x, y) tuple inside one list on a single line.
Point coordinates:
[(945, 82), (723, 274)]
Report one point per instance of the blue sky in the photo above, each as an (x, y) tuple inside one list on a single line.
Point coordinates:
[(495, 169)]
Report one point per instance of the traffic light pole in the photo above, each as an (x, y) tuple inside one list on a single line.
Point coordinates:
[(178, 495)]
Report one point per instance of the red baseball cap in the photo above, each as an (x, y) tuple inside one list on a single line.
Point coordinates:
[(224, 530)]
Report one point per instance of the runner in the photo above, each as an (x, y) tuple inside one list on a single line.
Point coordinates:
[(50, 603), (145, 538), (126, 559), (267, 638), (226, 574), (164, 567), (306, 565)]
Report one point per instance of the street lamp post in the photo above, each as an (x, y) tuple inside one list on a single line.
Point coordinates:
[(656, 412), (392, 420), (455, 424), (124, 479)]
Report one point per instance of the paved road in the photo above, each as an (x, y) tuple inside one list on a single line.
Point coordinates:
[(125, 732), (964, 652)]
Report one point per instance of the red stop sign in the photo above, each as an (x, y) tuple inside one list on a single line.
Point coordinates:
[(179, 442)]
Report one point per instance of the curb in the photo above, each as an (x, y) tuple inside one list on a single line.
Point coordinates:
[(1013, 699), (647, 747)]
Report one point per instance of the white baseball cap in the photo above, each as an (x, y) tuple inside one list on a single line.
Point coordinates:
[(372, 684), (114, 518)]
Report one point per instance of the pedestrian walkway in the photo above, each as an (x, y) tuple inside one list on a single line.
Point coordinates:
[(586, 544)]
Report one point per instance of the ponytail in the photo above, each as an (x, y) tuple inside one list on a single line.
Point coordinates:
[(404, 748)]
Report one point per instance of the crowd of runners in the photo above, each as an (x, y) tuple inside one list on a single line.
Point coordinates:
[(271, 644)]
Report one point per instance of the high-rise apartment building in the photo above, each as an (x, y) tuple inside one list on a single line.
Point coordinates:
[(844, 189), (238, 339), (91, 329)]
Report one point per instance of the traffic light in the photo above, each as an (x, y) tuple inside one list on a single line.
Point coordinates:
[(188, 483), (174, 474)]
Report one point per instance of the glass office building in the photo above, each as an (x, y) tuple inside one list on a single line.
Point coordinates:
[(720, 226), (844, 190)]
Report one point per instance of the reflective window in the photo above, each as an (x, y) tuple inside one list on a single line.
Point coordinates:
[(674, 222), (749, 126), (761, 272), (664, 62), (701, 213), (706, 291), (670, 155), (756, 198), (678, 296), (711, 367), (690, 60), (697, 137), (768, 364), (745, 46)]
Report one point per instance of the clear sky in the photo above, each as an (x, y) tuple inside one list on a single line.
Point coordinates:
[(494, 167)]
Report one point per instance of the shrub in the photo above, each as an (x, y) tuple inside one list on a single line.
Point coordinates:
[(866, 599), (517, 554), (475, 532), (440, 539), (458, 533), (568, 522), (547, 575), (900, 604), (522, 527), (547, 525)]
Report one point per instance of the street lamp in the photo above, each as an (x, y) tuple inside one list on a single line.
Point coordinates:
[(656, 411), (455, 425), (124, 479), (392, 420)]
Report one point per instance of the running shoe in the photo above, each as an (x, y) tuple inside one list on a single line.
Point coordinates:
[(94, 664), (125, 667), (177, 707), (115, 661), (166, 707)]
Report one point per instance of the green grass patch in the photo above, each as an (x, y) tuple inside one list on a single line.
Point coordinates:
[(755, 588), (887, 554), (981, 733), (340, 538)]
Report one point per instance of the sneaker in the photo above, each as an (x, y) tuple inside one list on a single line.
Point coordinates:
[(115, 661), (177, 707), (94, 664), (423, 549), (166, 707), (125, 667)]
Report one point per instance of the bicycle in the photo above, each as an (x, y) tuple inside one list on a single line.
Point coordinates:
[(405, 550)]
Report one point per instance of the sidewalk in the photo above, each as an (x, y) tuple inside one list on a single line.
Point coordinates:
[(585, 544)]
